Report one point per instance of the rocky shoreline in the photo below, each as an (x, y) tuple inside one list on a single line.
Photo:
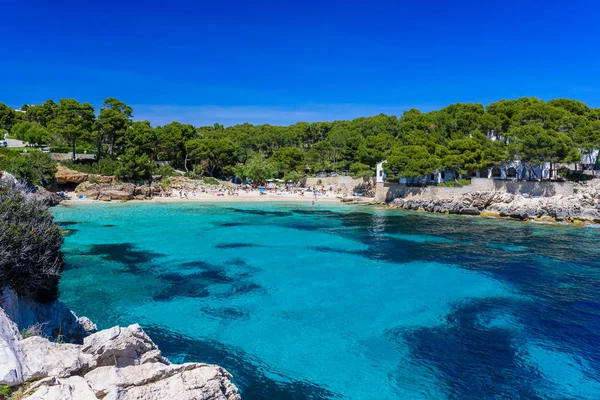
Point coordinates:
[(581, 208), (82, 364)]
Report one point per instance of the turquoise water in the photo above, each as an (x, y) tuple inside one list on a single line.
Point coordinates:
[(328, 302)]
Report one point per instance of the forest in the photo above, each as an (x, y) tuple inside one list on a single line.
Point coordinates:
[(460, 137)]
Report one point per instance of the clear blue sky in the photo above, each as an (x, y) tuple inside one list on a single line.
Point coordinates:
[(283, 61)]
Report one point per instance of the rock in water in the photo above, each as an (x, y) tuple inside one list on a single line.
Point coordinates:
[(113, 364)]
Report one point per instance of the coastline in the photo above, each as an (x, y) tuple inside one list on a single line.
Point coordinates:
[(222, 199)]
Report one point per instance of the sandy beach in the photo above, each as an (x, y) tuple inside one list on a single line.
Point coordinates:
[(213, 198)]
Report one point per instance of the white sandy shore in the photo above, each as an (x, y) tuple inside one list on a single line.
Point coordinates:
[(212, 198)]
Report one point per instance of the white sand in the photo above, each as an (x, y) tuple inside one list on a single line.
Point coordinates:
[(243, 197)]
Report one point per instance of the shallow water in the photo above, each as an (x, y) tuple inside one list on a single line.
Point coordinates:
[(303, 302)]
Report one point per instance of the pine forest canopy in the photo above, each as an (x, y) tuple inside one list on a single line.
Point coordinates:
[(460, 137)]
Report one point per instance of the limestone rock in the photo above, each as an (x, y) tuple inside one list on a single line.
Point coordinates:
[(54, 319), (158, 381), (72, 388), (65, 175), (10, 365), (42, 358), (122, 347), (124, 191), (580, 208)]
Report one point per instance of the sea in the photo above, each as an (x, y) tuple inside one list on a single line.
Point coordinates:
[(333, 301)]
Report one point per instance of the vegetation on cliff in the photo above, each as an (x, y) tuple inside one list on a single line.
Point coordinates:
[(30, 257), (35, 168)]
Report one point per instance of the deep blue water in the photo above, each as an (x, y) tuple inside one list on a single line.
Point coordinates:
[(328, 302)]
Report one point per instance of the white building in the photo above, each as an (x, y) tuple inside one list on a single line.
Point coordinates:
[(434, 178)]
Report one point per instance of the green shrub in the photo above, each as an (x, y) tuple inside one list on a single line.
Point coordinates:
[(104, 166), (80, 166), (5, 391), (210, 181), (456, 183), (167, 171), (31, 261), (107, 166), (34, 168), (93, 179)]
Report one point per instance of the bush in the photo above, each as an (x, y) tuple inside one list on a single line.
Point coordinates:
[(80, 166), (104, 166), (34, 168), (210, 181), (5, 392), (31, 261), (167, 171), (107, 166), (457, 183)]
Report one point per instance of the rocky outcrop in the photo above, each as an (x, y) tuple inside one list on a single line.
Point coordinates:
[(54, 320), (582, 207), (119, 191), (117, 363), (65, 176)]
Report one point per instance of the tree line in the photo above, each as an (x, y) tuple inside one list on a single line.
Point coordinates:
[(461, 137)]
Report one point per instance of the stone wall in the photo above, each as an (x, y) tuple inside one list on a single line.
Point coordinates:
[(344, 183), (389, 191), (535, 189)]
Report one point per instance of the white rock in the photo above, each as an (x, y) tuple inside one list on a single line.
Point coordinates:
[(42, 358), (122, 347), (154, 381), (10, 366), (55, 318), (72, 388)]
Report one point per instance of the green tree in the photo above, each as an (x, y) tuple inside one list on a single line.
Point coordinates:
[(113, 122), (42, 114), (258, 169), (7, 117), (213, 154), (412, 162), (35, 168), (289, 159), (135, 165), (142, 136), (30, 132), (73, 122), (587, 140), (320, 152)]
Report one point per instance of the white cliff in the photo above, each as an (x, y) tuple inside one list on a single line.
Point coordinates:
[(113, 364)]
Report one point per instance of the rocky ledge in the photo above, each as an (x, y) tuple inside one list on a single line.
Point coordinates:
[(580, 208), (113, 364)]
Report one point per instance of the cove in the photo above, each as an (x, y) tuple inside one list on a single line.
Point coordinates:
[(342, 302)]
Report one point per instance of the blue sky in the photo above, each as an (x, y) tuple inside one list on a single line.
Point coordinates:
[(280, 62)]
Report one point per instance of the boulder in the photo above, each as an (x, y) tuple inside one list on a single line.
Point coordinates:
[(52, 319), (71, 388), (157, 381), (122, 347), (65, 175), (124, 191), (88, 189), (42, 358)]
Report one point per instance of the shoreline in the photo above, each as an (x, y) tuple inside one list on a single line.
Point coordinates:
[(221, 199)]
